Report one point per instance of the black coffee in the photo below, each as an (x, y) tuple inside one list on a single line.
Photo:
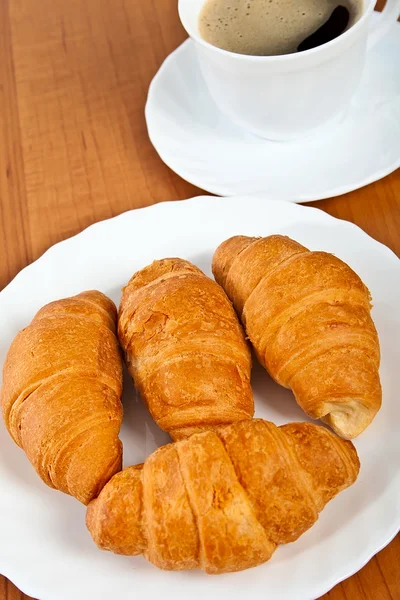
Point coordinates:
[(334, 26), (273, 27)]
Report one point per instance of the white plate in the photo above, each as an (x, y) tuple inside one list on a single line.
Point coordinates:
[(200, 144), (44, 546)]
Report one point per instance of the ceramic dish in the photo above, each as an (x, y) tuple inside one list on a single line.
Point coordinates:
[(45, 548)]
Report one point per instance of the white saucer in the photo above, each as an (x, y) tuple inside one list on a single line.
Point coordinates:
[(200, 144)]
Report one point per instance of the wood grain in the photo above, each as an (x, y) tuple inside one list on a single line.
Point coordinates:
[(74, 150)]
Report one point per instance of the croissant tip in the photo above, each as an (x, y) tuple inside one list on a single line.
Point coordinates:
[(343, 422)]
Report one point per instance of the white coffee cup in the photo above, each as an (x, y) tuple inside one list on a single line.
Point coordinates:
[(288, 96)]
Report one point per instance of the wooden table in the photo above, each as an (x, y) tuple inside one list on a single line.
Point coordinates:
[(74, 150)]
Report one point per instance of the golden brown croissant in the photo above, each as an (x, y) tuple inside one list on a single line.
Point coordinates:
[(185, 348), (62, 383), (307, 315), (223, 500)]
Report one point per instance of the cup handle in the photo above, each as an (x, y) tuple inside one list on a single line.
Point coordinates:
[(384, 22)]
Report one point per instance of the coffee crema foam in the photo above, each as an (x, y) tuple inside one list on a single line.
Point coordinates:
[(267, 27)]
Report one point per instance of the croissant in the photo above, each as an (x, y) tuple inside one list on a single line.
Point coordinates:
[(307, 315), (62, 383), (223, 500), (185, 348)]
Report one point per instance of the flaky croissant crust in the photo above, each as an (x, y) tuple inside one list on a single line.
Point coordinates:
[(62, 383), (223, 500), (307, 315), (185, 348)]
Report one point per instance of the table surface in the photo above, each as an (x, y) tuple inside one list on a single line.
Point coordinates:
[(74, 76)]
